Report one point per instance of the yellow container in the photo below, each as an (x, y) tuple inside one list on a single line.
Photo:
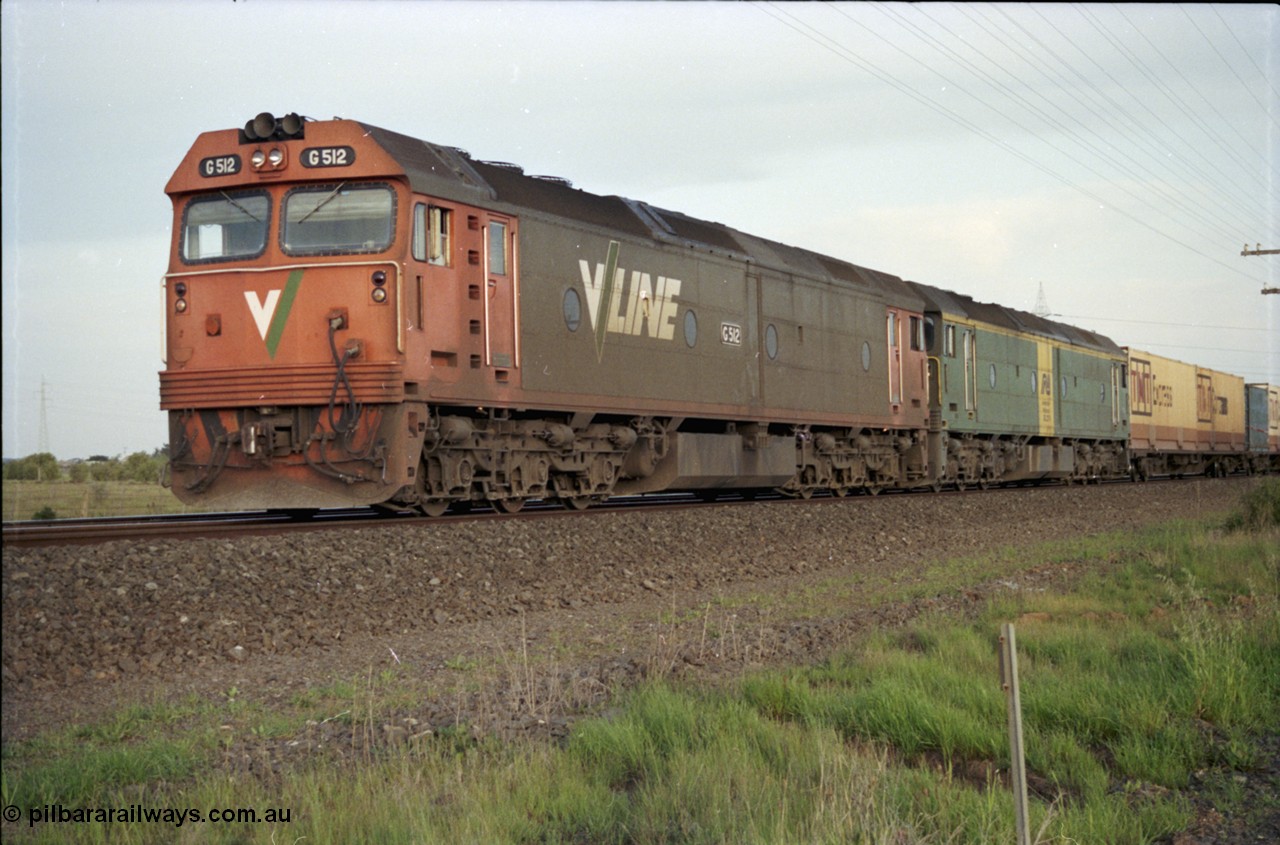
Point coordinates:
[(1162, 404), (1220, 411)]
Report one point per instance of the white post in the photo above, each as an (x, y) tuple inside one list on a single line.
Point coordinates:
[(1017, 759)]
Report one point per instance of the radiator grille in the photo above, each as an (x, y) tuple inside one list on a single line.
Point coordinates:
[(373, 383)]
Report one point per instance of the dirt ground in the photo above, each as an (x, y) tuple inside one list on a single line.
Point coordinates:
[(553, 613)]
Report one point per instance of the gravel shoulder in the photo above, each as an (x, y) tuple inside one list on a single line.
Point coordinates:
[(580, 603)]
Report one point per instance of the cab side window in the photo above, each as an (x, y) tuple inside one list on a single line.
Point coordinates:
[(498, 249), (432, 233)]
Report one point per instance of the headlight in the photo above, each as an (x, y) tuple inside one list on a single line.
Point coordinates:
[(259, 158), (275, 157)]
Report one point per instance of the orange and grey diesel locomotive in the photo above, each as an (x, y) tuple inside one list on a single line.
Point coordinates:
[(358, 317)]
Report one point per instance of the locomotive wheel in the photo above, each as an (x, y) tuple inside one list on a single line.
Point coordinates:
[(507, 505), (575, 503), (434, 507)]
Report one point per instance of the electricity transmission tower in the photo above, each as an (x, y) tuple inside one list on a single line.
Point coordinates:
[(1042, 304)]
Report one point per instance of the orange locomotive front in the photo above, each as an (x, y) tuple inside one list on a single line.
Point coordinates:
[(285, 314)]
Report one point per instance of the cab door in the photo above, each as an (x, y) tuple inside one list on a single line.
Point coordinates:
[(501, 296), (1117, 391), (969, 343), (893, 337)]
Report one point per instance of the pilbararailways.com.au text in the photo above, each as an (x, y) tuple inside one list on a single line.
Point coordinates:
[(139, 814)]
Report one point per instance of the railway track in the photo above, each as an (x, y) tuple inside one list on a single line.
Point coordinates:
[(173, 526), (90, 531), (240, 523)]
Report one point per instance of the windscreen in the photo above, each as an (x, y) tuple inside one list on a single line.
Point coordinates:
[(225, 226), (337, 219)]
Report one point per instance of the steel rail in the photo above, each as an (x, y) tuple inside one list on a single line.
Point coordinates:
[(78, 531)]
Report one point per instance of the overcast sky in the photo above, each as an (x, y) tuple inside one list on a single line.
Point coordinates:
[(1118, 156)]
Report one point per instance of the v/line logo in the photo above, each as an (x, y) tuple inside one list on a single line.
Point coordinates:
[(262, 311), (636, 308), (271, 312)]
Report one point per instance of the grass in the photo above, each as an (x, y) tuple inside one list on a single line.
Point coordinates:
[(25, 500), (1162, 660)]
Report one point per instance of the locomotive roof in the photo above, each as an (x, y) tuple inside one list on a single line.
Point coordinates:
[(949, 302), (451, 173)]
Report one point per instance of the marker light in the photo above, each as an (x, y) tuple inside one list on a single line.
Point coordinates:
[(180, 288), (379, 295), (180, 306), (379, 278)]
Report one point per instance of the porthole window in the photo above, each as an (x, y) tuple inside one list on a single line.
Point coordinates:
[(866, 356), (572, 309), (771, 341), (992, 376), (690, 328)]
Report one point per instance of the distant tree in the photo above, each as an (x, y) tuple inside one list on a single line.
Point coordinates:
[(141, 467), (98, 459), (42, 466), (80, 472), (108, 470)]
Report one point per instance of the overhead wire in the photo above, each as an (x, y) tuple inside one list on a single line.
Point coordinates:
[(1191, 201), (1180, 102), (1156, 147), (1154, 158), (1141, 66), (846, 54), (1160, 323), (1098, 152), (1247, 55), (1102, 149)]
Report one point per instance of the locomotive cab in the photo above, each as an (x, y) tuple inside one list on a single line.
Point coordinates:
[(285, 336)]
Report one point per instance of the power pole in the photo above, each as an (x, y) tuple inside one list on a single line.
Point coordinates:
[(1258, 250), (43, 445)]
